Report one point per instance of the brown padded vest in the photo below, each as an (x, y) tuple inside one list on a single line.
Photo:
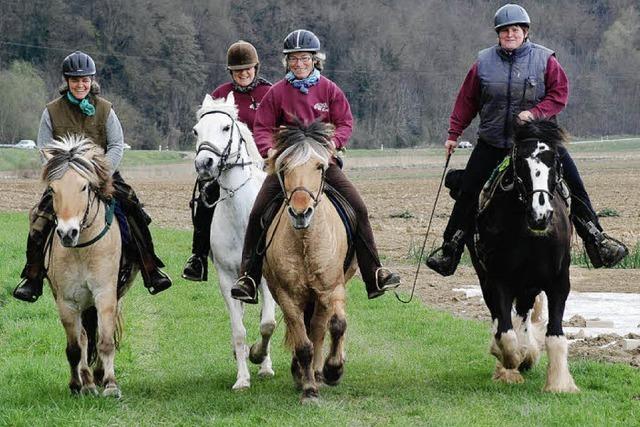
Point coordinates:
[(67, 118)]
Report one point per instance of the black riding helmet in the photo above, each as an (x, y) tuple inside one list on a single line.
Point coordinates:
[(78, 64), (511, 14), (301, 41)]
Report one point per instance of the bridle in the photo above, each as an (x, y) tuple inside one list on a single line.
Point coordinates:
[(224, 164), (525, 195), (315, 197)]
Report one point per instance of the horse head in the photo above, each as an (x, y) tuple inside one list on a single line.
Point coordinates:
[(223, 142), (302, 155), (537, 170), (76, 173)]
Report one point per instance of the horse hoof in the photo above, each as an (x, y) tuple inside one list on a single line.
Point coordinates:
[(266, 373), (89, 390), (112, 391), (256, 356), (241, 385), (332, 374), (310, 397), (508, 376), (568, 387)]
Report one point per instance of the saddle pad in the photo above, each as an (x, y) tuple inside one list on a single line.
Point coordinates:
[(348, 217), (489, 188)]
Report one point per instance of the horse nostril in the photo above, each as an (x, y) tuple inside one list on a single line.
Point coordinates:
[(209, 162), (73, 233)]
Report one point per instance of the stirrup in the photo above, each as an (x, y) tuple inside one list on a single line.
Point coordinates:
[(240, 292), (190, 267), (393, 281)]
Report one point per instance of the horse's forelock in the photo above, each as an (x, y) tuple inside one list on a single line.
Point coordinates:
[(541, 129), (296, 144), (83, 156), (219, 104)]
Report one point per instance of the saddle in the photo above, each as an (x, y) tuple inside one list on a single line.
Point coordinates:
[(344, 209)]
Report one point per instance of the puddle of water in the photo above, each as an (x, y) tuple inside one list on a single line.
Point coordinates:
[(620, 308)]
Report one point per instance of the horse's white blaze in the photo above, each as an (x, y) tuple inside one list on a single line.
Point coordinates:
[(540, 202), (239, 187), (559, 378)]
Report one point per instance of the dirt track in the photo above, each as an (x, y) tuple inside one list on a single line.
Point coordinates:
[(400, 190)]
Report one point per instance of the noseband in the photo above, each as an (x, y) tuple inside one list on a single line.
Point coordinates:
[(314, 197)]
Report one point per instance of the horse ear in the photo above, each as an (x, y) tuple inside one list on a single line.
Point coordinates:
[(231, 99), (207, 100), (45, 154)]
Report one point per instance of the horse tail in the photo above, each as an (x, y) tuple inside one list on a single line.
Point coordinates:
[(90, 325), (539, 318)]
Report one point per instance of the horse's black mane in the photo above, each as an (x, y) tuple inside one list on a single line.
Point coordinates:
[(542, 130)]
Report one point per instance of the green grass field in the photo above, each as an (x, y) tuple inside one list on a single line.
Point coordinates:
[(407, 365)]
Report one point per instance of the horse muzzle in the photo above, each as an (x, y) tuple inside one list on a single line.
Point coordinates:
[(206, 167), (301, 221), (539, 224), (68, 237)]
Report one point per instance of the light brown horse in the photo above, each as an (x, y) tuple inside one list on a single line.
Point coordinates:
[(305, 256), (84, 259)]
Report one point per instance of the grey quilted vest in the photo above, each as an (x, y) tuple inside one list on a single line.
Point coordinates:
[(509, 84)]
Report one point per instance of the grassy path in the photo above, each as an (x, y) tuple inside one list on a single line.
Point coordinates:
[(407, 365)]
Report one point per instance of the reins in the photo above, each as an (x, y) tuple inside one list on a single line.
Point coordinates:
[(424, 243)]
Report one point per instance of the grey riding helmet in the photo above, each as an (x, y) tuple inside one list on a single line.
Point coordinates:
[(301, 41), (511, 14), (78, 64)]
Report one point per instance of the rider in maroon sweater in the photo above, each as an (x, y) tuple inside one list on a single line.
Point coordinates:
[(304, 95), (248, 90)]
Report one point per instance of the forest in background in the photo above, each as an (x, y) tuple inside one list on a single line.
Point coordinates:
[(400, 63)]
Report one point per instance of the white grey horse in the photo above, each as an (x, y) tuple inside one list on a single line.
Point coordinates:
[(227, 154)]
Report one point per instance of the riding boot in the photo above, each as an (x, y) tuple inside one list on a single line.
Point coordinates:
[(602, 250), (377, 279), (196, 268), (30, 287), (42, 220), (445, 259), (155, 280)]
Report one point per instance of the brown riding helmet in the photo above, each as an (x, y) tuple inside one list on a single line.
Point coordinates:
[(242, 55)]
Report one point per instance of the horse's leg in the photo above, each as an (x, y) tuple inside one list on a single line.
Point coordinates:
[(260, 351), (296, 338), (107, 307), (559, 378), (317, 332), (88, 386), (334, 365), (238, 331), (526, 330), (504, 345), (72, 326)]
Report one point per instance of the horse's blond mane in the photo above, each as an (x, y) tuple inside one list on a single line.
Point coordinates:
[(79, 153), (221, 105)]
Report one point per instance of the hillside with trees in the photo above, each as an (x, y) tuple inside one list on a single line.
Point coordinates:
[(399, 62)]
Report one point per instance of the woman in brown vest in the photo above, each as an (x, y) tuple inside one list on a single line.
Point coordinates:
[(81, 110)]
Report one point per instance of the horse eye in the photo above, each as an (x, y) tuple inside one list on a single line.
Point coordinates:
[(51, 190), (195, 132), (226, 128), (320, 167), (84, 187)]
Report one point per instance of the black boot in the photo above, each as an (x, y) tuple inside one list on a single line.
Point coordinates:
[(603, 250), (29, 289), (446, 258), (385, 280), (196, 268)]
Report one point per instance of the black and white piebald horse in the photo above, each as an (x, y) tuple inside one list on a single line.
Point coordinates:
[(522, 247)]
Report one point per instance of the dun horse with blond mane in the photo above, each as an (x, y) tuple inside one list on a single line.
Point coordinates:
[(84, 259), (305, 257)]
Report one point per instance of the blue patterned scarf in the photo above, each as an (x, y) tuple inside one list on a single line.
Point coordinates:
[(303, 85), (85, 105)]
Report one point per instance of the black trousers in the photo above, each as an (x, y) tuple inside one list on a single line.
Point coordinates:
[(201, 216), (483, 160)]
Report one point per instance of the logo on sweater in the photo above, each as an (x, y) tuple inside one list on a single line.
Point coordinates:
[(254, 105), (321, 106)]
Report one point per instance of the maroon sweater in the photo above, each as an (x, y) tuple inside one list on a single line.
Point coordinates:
[(467, 103), (284, 103), (247, 102)]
